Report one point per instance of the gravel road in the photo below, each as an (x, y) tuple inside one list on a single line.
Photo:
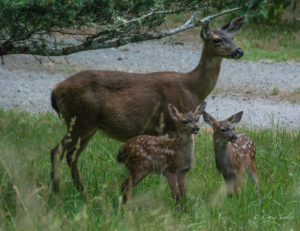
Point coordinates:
[(26, 81)]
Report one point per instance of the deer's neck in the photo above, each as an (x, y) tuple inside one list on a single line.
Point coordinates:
[(186, 143), (220, 147), (186, 149), (204, 77)]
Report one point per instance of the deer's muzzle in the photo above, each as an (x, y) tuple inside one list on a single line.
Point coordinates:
[(237, 53), (195, 130), (233, 138)]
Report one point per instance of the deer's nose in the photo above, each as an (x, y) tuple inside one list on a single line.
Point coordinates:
[(240, 52), (196, 130), (237, 53), (233, 138)]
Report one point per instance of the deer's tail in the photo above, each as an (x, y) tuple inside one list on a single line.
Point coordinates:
[(123, 154), (53, 102)]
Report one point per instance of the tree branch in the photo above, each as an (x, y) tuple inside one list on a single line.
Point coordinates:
[(111, 37)]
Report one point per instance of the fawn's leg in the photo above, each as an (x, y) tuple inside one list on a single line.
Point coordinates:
[(132, 180), (181, 184), (230, 180), (254, 176), (127, 189), (237, 184), (172, 180)]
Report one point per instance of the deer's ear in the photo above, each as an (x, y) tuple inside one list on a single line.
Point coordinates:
[(235, 118), (174, 113), (199, 110), (209, 119), (205, 30), (233, 26)]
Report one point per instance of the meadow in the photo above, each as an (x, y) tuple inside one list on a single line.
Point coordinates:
[(26, 202)]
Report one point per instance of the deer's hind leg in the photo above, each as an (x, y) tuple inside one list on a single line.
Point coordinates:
[(252, 172), (72, 158), (133, 179), (73, 142)]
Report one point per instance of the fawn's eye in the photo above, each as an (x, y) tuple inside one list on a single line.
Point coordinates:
[(223, 130), (217, 41), (185, 121)]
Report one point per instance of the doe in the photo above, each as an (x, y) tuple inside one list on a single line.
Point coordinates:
[(234, 153), (172, 157)]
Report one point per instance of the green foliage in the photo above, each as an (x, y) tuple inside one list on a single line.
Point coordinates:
[(34, 26), (27, 204), (275, 91), (269, 11)]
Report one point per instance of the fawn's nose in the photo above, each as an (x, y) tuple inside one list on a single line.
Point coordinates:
[(233, 138), (237, 53), (196, 130)]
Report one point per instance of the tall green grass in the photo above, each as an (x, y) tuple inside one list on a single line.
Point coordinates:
[(26, 202)]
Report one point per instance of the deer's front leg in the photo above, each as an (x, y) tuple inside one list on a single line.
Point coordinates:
[(172, 180), (181, 184)]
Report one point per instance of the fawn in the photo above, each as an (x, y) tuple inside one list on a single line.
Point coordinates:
[(234, 153), (172, 157)]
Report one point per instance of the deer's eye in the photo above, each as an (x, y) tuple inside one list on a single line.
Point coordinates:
[(223, 130), (185, 121), (217, 41)]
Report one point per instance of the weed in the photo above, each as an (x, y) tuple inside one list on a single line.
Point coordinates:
[(275, 91)]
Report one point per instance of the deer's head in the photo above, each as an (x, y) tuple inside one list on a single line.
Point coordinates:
[(187, 122), (220, 42), (224, 129)]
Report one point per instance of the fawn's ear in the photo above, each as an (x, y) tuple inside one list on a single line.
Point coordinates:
[(174, 113), (209, 119), (235, 118), (199, 110), (233, 26), (205, 30)]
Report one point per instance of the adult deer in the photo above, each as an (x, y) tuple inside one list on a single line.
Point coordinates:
[(234, 153), (172, 157), (125, 105)]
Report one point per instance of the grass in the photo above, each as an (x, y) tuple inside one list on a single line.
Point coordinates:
[(276, 43), (275, 91), (27, 204)]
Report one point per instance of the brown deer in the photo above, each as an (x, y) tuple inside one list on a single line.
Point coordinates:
[(125, 105), (172, 157), (234, 153)]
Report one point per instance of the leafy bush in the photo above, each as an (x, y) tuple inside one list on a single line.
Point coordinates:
[(269, 11)]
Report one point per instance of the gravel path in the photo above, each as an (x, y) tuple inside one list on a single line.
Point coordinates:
[(26, 84)]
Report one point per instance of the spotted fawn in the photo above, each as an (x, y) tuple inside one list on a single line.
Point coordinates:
[(172, 157), (234, 153)]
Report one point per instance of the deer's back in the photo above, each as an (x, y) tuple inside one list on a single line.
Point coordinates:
[(242, 151), (150, 153), (123, 104)]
